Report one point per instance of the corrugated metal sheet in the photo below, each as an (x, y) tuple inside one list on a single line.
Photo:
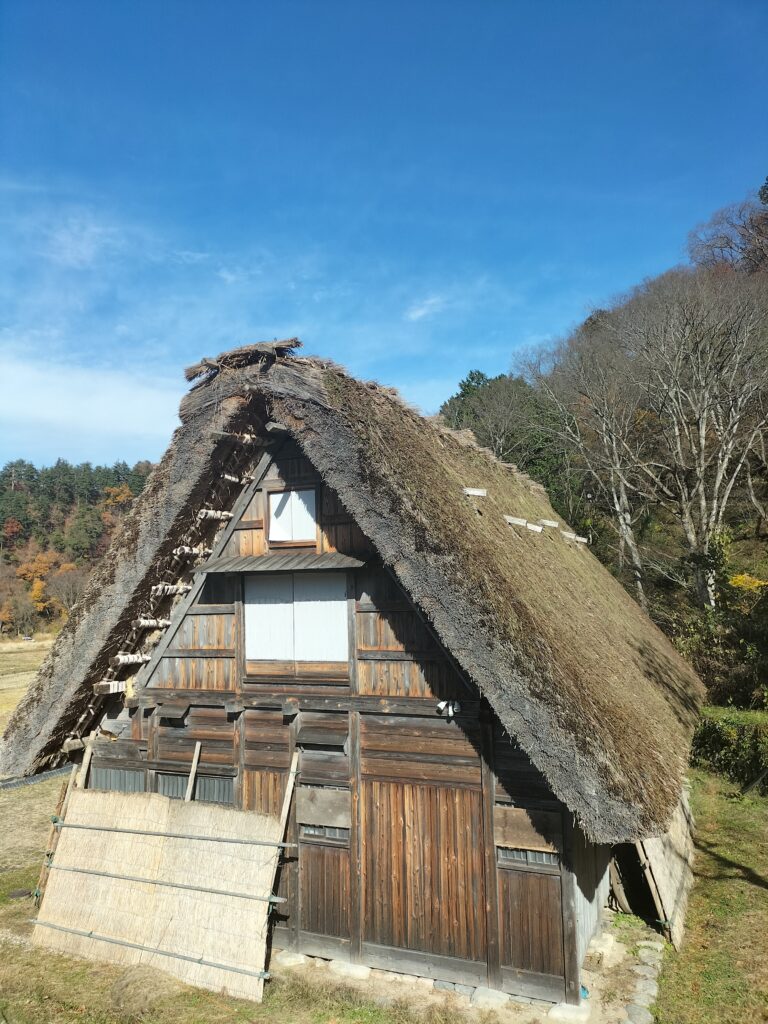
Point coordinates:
[(208, 789), (293, 562), (171, 785), (214, 790), (121, 780)]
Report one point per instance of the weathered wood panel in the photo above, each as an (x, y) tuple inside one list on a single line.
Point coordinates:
[(420, 750), (420, 678), (262, 791), (324, 882), (212, 727), (266, 740), (205, 632), (523, 829), (531, 921), (422, 869), (518, 781), (316, 805), (178, 673), (670, 868), (590, 887)]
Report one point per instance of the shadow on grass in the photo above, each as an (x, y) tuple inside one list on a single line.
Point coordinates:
[(746, 872)]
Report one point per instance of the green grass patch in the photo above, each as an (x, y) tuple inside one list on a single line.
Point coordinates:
[(721, 974)]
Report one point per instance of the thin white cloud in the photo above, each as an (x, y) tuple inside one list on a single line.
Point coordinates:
[(426, 308), (88, 411), (80, 239)]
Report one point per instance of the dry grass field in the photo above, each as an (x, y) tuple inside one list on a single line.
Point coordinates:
[(19, 660)]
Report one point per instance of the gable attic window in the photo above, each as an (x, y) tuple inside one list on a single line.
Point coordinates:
[(296, 624), (293, 516)]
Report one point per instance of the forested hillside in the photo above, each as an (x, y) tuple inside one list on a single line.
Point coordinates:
[(54, 524), (648, 425)]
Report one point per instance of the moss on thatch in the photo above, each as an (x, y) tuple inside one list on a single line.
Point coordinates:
[(589, 687)]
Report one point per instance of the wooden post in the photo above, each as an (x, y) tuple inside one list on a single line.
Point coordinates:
[(193, 772), (570, 928), (54, 833), (355, 844), (489, 849), (82, 776)]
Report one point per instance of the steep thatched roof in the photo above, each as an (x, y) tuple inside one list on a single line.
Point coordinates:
[(590, 688)]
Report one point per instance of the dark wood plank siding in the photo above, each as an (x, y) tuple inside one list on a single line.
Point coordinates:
[(422, 869), (531, 921), (266, 740), (396, 654), (212, 727), (420, 749), (263, 791), (324, 881)]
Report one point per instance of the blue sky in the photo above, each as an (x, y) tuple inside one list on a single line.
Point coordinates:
[(414, 188)]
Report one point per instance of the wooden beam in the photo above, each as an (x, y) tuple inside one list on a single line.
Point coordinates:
[(192, 772), (570, 923), (355, 843), (82, 775), (488, 780), (107, 686)]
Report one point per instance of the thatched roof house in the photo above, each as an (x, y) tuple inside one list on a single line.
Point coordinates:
[(594, 699), (594, 693)]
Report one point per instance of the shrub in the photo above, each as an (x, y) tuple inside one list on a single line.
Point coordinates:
[(733, 743)]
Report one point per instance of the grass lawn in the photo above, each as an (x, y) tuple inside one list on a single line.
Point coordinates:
[(721, 974)]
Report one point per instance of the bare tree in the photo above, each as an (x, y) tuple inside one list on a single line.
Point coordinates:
[(697, 346), (664, 398), (590, 385), (736, 236), (67, 585)]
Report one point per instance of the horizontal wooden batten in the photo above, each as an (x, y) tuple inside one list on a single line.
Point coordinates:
[(250, 524), (532, 985), (521, 829), (211, 609), (410, 706), (397, 655), (256, 671), (168, 766), (425, 965), (199, 652)]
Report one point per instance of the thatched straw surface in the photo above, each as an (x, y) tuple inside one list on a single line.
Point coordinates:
[(591, 689), (227, 930)]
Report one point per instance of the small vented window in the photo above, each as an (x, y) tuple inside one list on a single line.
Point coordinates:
[(526, 858), (324, 832)]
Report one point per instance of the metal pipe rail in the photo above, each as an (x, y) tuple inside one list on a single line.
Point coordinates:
[(149, 949), (58, 823), (171, 885)]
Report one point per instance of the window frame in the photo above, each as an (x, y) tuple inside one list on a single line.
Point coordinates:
[(292, 672), (279, 545)]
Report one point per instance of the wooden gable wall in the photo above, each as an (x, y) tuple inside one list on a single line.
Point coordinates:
[(402, 812)]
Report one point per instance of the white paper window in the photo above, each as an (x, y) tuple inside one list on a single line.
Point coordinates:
[(292, 515), (269, 617), (296, 617)]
